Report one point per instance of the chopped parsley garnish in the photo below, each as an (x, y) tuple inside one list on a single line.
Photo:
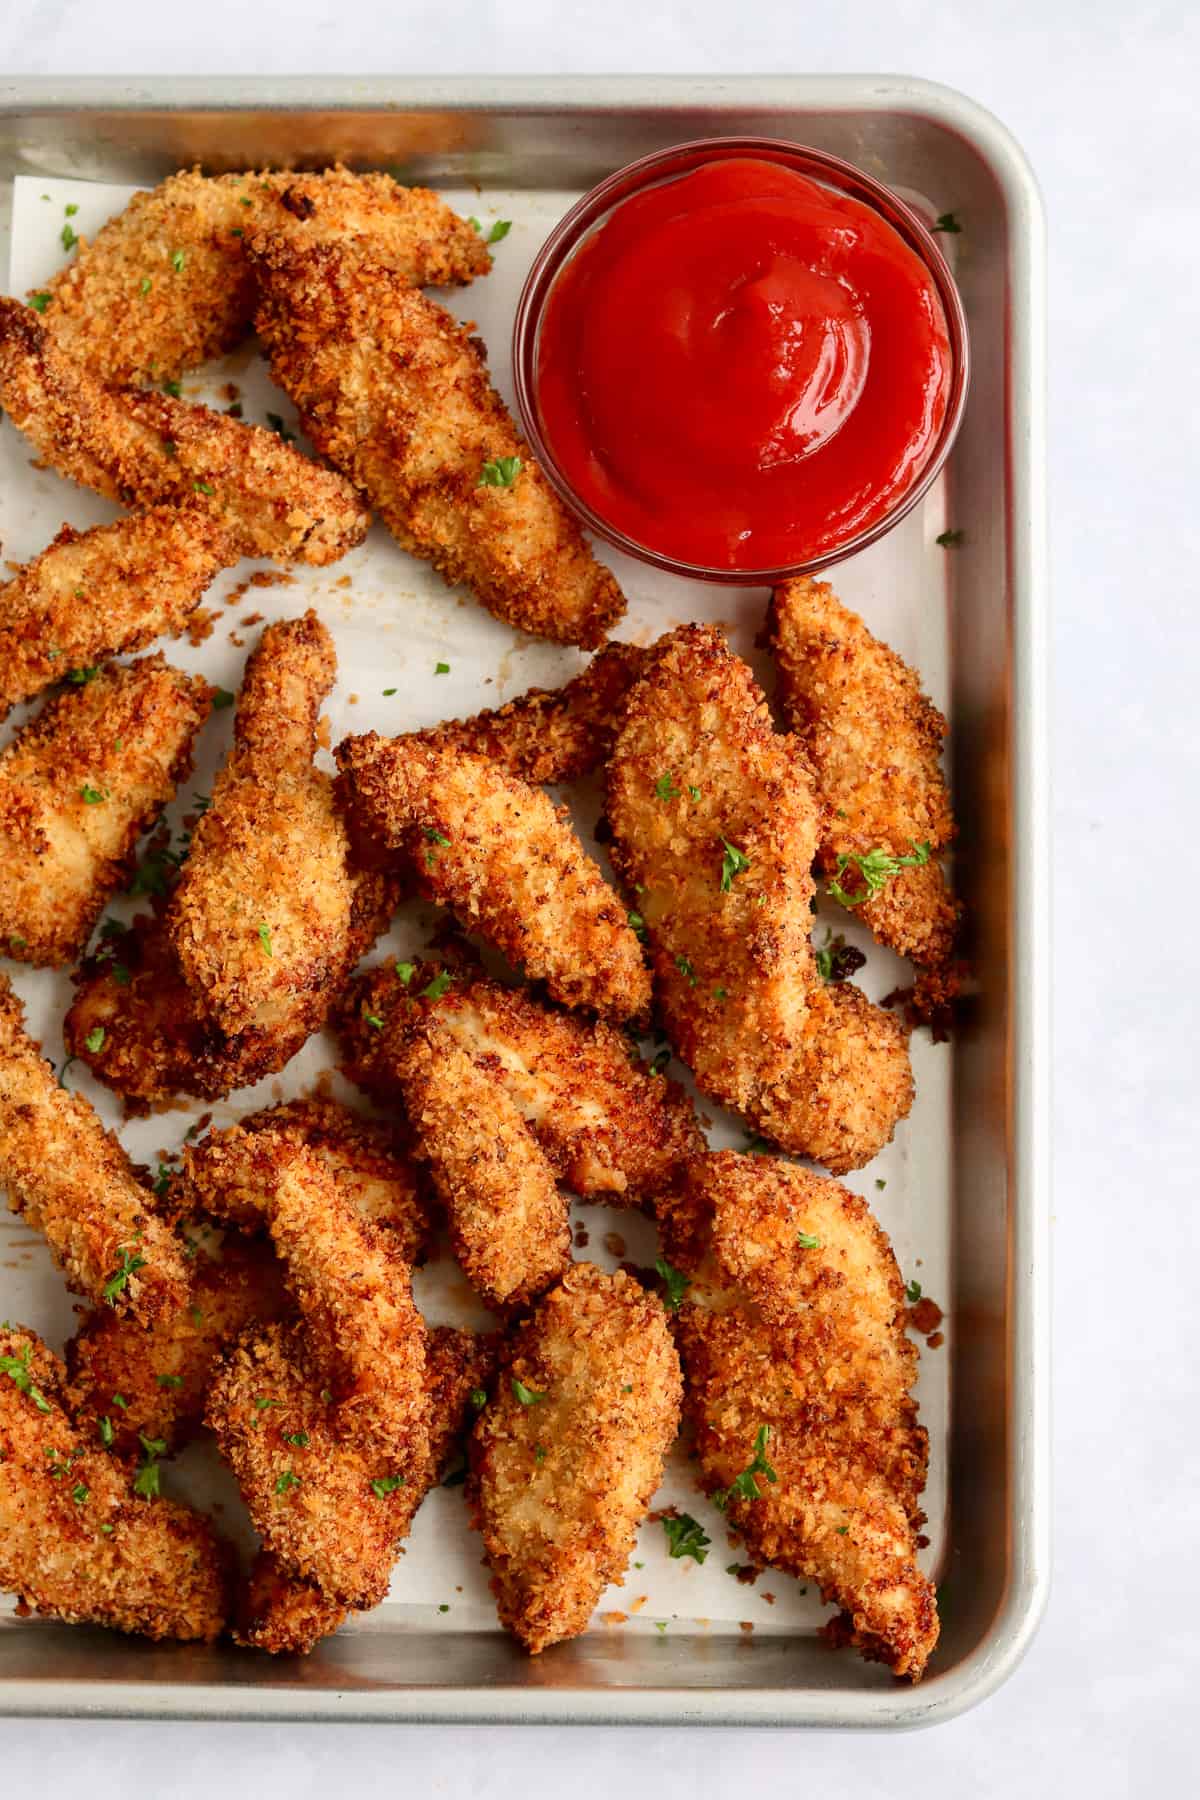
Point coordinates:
[(837, 960), (285, 1481), (880, 1183), (912, 1292), (17, 1370), (162, 1180), (39, 302), (721, 994), (876, 869), (686, 1537), (94, 1040), (280, 429), (406, 971), (744, 1486), (437, 987), (148, 1484), (949, 539), (81, 677), (539, 1453), (169, 1381), (479, 1398), (105, 1427), (374, 1021), (756, 1146), (196, 1315), (499, 230), (264, 938), (387, 1484), (841, 1530), (121, 1401), (69, 236), (665, 789), (388, 692), (145, 285), (81, 1493), (734, 862), (221, 699), (174, 388), (129, 1264), (441, 668), (435, 837), (203, 487), (526, 1395), (947, 222), (91, 796), (502, 472), (686, 969), (677, 1282), (660, 1624), (177, 261), (807, 1241), (661, 1059), (637, 925)]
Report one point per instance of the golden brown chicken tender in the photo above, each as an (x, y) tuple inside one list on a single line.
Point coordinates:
[(73, 1182), (798, 1379), (715, 825), (368, 1159), (263, 917), (76, 1541), (551, 734), (99, 593), (509, 1226), (78, 786), (611, 1126), (567, 1456), (166, 284), (144, 448), (875, 744), (130, 1381), (395, 393), (287, 1614), (504, 859)]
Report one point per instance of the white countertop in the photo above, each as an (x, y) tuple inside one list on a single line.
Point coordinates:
[(1103, 99)]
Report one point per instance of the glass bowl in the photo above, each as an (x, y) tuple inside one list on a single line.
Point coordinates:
[(664, 165)]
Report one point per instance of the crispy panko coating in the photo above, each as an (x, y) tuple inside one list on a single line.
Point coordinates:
[(287, 1614), (368, 1159), (263, 918), (100, 593), (146, 448), (365, 1337), (161, 1371), (551, 734), (561, 1479), (73, 1182), (509, 1226), (611, 1126), (395, 393), (506, 862), (76, 1542), (715, 824), (874, 741), (795, 1357), (165, 284), (78, 786)]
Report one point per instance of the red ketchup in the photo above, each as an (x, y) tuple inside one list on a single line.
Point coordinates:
[(741, 369)]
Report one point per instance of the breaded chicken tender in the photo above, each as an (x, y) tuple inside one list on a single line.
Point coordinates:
[(76, 1542), (130, 1381), (78, 786), (551, 734), (566, 1458), (874, 741), (504, 860), (144, 448), (798, 1379), (287, 1614), (263, 917), (509, 1226), (611, 1126), (72, 1181), (165, 284), (368, 1159), (365, 1337), (715, 825), (100, 593), (395, 393)]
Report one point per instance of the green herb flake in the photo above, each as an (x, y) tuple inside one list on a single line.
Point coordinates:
[(526, 1395), (105, 1427), (221, 699), (880, 1183), (177, 261), (174, 388), (69, 237), (441, 668), (686, 1537), (94, 1041), (500, 473), (121, 1401), (387, 1484), (275, 421), (405, 971), (947, 222), (949, 540), (261, 1405), (686, 969), (841, 1530), (91, 796), (438, 986), (744, 1486), (107, 1530), (264, 938), (129, 1263), (298, 1438), (285, 1481), (39, 302), (499, 231), (145, 285), (807, 1241), (539, 1453), (665, 789), (677, 1283), (636, 924), (388, 692), (203, 487), (734, 862), (374, 1021), (81, 1493), (17, 1370), (169, 1381), (81, 677), (876, 868), (660, 1624), (479, 1398), (912, 1292)]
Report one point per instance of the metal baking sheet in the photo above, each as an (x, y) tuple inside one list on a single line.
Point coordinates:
[(963, 1195)]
